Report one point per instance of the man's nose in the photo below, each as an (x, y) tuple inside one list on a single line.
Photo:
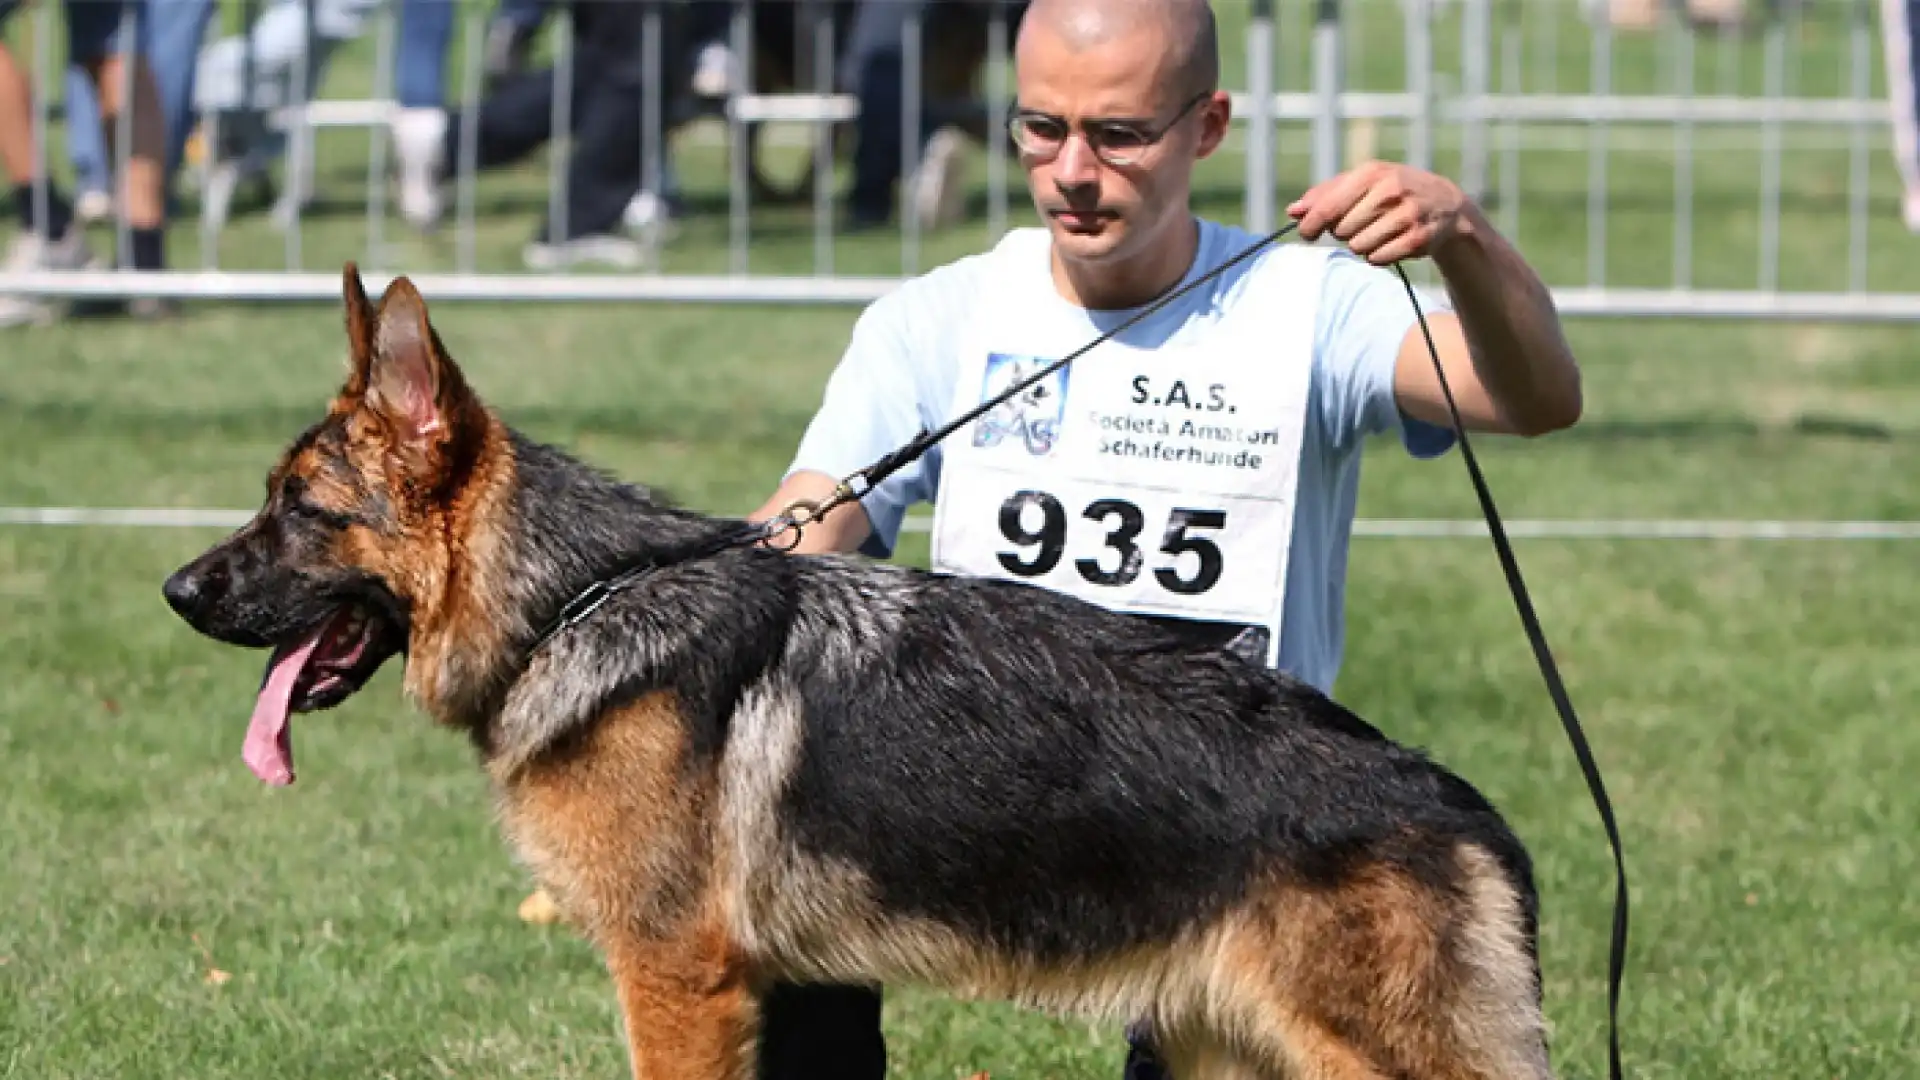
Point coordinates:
[(1076, 163)]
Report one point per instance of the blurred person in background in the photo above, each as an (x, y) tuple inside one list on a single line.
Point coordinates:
[(608, 97), (178, 28), (874, 70), (175, 30), (87, 149), (54, 241), (420, 124)]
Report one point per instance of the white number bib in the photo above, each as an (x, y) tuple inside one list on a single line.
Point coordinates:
[(1156, 482)]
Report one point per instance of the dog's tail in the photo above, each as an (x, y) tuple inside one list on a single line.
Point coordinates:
[(1497, 1015)]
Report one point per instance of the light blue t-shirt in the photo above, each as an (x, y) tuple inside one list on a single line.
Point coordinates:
[(899, 371)]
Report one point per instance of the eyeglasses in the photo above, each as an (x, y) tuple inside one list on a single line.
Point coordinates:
[(1116, 142)]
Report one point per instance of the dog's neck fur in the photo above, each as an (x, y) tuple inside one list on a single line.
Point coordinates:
[(555, 526)]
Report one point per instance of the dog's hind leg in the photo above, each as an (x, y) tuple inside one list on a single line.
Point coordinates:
[(689, 1015), (1385, 975), (1207, 1059), (1282, 1046)]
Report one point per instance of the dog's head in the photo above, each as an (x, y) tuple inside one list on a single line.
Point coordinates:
[(353, 543)]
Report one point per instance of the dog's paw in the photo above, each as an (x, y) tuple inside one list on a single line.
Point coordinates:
[(539, 909)]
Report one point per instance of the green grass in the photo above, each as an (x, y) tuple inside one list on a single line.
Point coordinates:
[(1749, 702)]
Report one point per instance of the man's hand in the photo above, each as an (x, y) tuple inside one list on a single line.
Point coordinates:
[(1385, 212), (1506, 358)]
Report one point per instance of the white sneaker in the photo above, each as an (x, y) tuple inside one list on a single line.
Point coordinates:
[(651, 219), (93, 206), (1910, 210), (618, 252), (25, 254), (938, 190), (713, 71), (418, 136)]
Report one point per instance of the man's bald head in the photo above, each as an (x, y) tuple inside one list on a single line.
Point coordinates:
[(1187, 26)]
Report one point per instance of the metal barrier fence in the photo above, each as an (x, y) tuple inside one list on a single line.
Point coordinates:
[(1754, 152)]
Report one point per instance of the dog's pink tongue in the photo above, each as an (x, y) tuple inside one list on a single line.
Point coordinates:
[(268, 750)]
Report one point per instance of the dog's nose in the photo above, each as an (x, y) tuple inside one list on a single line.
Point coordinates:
[(193, 588), (182, 591)]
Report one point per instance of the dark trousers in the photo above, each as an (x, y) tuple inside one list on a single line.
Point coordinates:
[(604, 108), (822, 1033), (603, 171), (873, 73), (833, 1033), (875, 66)]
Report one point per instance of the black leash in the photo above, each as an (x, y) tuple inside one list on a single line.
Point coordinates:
[(1617, 951), (800, 514)]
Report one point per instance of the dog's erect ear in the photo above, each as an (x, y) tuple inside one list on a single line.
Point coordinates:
[(411, 384), (360, 323)]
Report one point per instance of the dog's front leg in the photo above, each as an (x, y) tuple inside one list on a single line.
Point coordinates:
[(689, 1012)]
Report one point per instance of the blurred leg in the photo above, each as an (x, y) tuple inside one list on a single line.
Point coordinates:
[(87, 147), (420, 126), (64, 247), (177, 29), (94, 41)]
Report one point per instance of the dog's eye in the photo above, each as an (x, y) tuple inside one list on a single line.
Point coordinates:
[(293, 496)]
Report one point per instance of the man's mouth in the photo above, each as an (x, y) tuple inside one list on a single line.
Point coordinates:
[(317, 671), (1083, 221)]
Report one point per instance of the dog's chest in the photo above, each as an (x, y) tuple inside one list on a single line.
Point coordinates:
[(614, 820)]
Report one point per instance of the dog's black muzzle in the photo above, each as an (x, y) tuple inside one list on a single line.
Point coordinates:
[(220, 595), (193, 589)]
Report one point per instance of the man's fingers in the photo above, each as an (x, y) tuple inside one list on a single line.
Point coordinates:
[(1410, 243), (1326, 202), (1306, 211), (1387, 225), (1306, 200), (1372, 205)]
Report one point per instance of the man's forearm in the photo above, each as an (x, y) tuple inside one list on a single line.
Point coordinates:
[(1508, 318)]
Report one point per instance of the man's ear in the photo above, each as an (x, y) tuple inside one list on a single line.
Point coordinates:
[(412, 386), (360, 323), (1216, 120)]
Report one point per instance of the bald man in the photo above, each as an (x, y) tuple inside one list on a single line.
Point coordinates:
[(1201, 469)]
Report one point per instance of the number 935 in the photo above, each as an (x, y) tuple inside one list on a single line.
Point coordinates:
[(1125, 523)]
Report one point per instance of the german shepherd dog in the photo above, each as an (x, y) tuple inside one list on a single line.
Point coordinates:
[(755, 767)]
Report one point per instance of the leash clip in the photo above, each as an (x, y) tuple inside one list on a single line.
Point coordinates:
[(800, 513), (792, 518)]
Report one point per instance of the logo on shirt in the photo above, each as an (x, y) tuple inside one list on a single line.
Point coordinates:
[(1033, 415)]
